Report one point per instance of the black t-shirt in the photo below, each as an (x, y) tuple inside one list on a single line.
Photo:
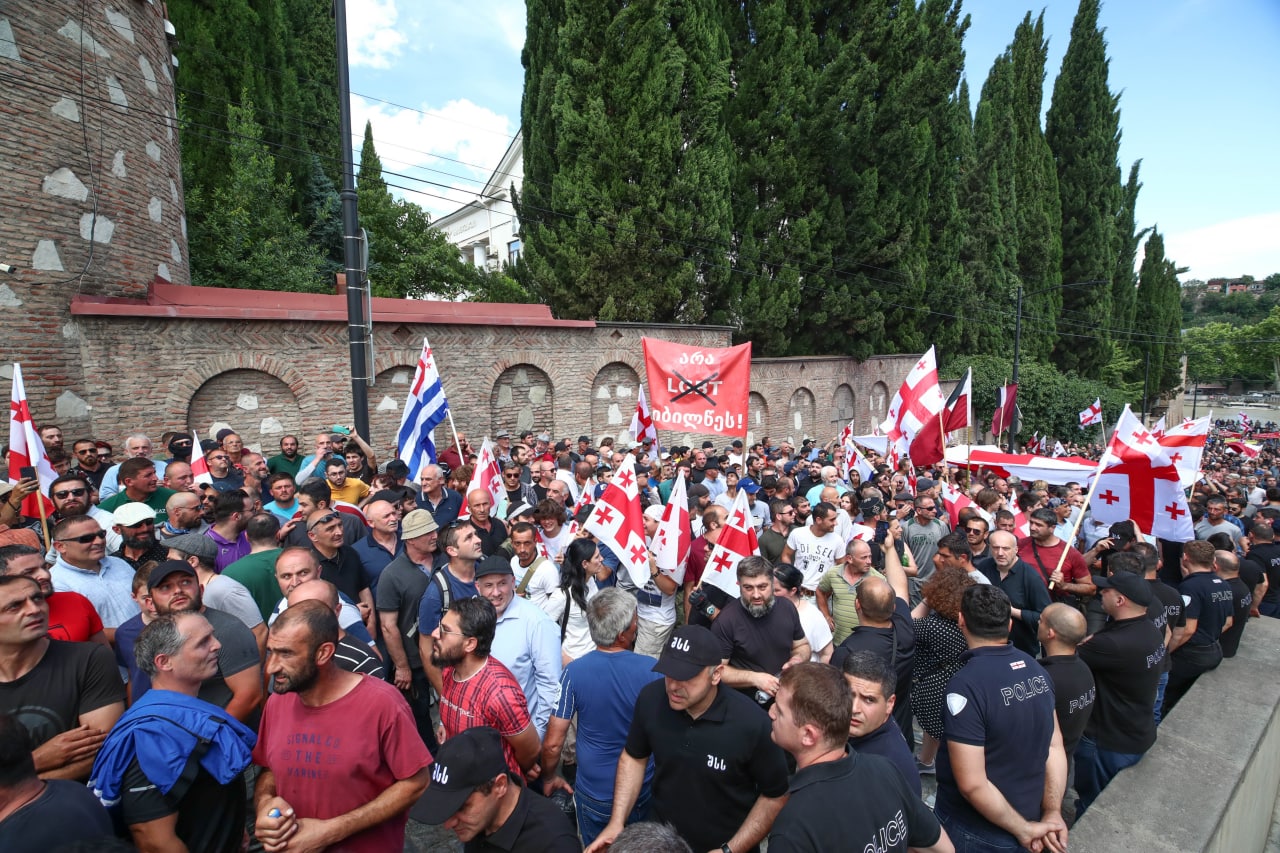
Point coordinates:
[(400, 589), (1074, 693), (858, 802), (491, 540), (708, 772), (1241, 601), (1208, 599), (897, 646), (1167, 610), (1267, 556), (344, 571), (759, 644), (71, 679), (64, 813), (888, 742), (536, 824), (1126, 658), (210, 814)]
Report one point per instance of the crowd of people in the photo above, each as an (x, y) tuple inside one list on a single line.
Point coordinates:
[(305, 651)]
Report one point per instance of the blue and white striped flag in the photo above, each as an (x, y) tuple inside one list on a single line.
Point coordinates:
[(425, 410)]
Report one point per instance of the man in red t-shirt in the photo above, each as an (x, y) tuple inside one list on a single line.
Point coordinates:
[(72, 617), (477, 689), (340, 754), (1042, 549)]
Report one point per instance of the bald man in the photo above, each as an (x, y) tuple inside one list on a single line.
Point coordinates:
[(1060, 631), (351, 655), (491, 532), (382, 544)]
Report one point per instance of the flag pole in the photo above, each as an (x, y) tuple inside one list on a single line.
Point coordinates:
[(1093, 487), (29, 429)]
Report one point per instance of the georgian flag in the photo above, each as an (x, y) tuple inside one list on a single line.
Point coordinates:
[(1139, 483), (853, 458), (913, 423), (199, 465), (1185, 446), (617, 520), (737, 540), (1092, 415), (642, 425), (863, 533), (672, 542), (487, 476), (1058, 449), (954, 500), (27, 450)]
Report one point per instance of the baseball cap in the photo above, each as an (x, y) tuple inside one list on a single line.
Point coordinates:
[(194, 544), (923, 484), (904, 497), (515, 512), (690, 650), (169, 567), (708, 445), (748, 485), (1054, 503), (127, 515), (493, 565), (585, 438), (1128, 584), (417, 522), (462, 763)]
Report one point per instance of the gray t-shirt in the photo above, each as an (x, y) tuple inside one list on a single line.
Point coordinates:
[(400, 589), (922, 539), (1204, 530)]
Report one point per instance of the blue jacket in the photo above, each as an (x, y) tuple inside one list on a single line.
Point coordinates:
[(162, 730)]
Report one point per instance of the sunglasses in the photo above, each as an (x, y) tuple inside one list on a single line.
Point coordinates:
[(324, 519), (79, 493), (87, 538), (147, 522)]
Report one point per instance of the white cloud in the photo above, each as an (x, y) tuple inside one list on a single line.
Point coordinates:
[(373, 38), (413, 143), (1244, 246), (510, 18)]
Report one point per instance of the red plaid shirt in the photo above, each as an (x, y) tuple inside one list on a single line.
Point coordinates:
[(490, 697)]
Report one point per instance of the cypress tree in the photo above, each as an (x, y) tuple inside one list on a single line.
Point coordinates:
[(774, 194), (1159, 316), (628, 218), (1083, 131), (1124, 292), (1037, 219)]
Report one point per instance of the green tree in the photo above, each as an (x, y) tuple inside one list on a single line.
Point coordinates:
[(1083, 131), (775, 193), (625, 207), (1124, 283), (1157, 329), (242, 234)]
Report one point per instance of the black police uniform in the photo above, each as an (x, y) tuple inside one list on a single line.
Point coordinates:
[(1208, 600)]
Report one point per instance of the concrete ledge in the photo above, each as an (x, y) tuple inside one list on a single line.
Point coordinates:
[(1211, 780)]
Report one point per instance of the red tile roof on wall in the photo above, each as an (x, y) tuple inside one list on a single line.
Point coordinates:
[(183, 302)]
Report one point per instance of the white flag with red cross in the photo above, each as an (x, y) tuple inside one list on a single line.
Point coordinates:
[(26, 450), (617, 521), (488, 476), (642, 425), (1185, 445), (672, 542), (913, 423), (737, 541), (199, 465), (853, 459), (1139, 483), (954, 500), (1092, 415)]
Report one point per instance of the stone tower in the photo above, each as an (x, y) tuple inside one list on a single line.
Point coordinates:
[(91, 179)]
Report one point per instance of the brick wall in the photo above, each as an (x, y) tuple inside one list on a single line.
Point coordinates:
[(87, 127)]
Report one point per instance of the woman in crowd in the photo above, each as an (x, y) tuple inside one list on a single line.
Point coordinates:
[(939, 645), (786, 584), (582, 573)]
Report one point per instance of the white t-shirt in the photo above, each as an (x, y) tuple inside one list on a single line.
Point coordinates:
[(544, 584), (816, 629), (555, 545), (577, 635), (814, 554)]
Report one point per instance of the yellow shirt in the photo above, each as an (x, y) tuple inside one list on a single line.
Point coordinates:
[(353, 491)]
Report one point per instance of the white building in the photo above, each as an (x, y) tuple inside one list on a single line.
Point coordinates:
[(486, 230)]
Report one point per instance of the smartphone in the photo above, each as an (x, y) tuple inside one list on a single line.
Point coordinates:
[(26, 472), (340, 429)]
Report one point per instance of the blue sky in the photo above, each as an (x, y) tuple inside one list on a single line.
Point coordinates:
[(1198, 82)]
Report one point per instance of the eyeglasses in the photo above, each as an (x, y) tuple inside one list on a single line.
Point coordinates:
[(79, 493), (220, 458), (975, 531), (87, 538), (926, 508), (146, 522), (444, 630), (324, 519)]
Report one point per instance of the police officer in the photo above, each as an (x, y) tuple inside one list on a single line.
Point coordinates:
[(1002, 739), (718, 777), (1208, 614)]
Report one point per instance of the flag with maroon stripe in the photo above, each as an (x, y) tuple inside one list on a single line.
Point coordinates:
[(617, 521), (959, 411), (1002, 418), (27, 450), (737, 541), (913, 424)]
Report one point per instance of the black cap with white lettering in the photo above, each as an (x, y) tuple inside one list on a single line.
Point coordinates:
[(690, 650), (468, 759)]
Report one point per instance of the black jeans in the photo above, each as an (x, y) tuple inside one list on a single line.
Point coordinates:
[(1189, 662)]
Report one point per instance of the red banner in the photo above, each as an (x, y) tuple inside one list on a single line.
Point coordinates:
[(698, 389)]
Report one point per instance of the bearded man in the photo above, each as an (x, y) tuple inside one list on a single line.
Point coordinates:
[(759, 634)]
